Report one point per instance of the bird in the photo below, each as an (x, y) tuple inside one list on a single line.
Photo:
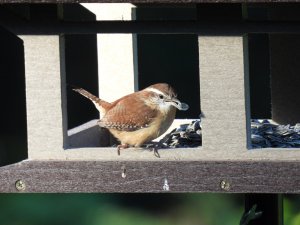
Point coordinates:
[(140, 117)]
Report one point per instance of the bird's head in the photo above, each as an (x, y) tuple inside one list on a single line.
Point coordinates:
[(163, 96)]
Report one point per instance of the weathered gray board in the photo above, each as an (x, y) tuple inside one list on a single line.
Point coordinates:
[(43, 94), (180, 176), (223, 94)]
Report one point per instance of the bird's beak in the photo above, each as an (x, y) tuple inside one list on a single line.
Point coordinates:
[(179, 105)]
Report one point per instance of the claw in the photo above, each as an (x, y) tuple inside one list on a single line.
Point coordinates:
[(155, 151), (122, 146), (153, 147)]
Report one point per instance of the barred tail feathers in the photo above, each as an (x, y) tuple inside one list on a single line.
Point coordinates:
[(100, 104)]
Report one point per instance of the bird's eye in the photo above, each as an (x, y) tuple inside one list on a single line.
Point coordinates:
[(161, 96)]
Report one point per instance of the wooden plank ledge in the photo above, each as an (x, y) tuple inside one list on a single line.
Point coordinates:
[(143, 176)]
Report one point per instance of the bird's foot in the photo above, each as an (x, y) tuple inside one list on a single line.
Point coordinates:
[(122, 146), (155, 151), (154, 146)]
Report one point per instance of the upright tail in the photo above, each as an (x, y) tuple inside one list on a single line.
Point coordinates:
[(100, 104)]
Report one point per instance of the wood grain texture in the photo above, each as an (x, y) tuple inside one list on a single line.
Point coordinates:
[(222, 88), (43, 94), (193, 176)]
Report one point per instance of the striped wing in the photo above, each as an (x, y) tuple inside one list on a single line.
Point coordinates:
[(128, 114)]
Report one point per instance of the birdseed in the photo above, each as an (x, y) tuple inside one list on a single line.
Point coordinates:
[(264, 134), (267, 134)]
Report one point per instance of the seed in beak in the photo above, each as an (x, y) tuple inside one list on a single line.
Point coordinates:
[(179, 105)]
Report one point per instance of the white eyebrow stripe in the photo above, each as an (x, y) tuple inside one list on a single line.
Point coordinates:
[(155, 91)]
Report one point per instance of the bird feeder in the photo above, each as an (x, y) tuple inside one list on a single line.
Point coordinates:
[(51, 142)]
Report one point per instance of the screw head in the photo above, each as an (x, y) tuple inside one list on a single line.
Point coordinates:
[(20, 185), (225, 185)]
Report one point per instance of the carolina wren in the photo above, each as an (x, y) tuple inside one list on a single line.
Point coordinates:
[(139, 117)]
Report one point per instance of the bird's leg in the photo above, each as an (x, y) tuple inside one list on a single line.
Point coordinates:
[(154, 146), (155, 150), (122, 146), (157, 146)]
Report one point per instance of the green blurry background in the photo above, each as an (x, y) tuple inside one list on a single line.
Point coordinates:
[(130, 209)]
